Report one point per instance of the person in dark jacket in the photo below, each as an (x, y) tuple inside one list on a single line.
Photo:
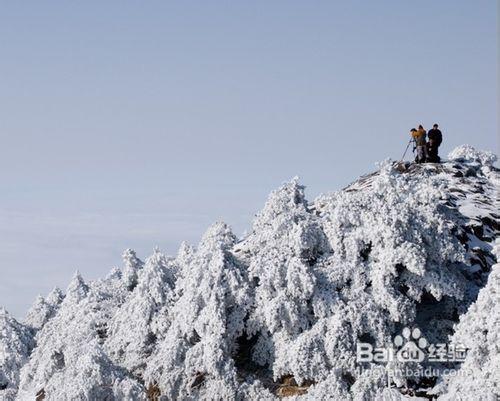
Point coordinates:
[(435, 138)]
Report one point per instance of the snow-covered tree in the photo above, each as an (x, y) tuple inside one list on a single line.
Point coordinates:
[(16, 343), (353, 269), (68, 361), (43, 309), (479, 332), (132, 266), (286, 242), (194, 360), (55, 297), (132, 334)]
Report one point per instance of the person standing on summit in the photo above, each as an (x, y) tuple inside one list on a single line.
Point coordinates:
[(435, 138), (420, 143)]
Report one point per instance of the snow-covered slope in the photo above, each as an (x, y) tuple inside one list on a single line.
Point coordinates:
[(283, 311)]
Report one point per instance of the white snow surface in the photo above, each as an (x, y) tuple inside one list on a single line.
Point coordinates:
[(234, 319)]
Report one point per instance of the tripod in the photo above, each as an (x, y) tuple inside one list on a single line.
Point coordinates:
[(406, 150)]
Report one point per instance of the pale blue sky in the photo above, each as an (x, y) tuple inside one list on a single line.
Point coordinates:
[(135, 124)]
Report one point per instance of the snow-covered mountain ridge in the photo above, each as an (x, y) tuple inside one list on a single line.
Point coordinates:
[(282, 311)]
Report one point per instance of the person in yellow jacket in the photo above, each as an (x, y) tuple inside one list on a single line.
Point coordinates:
[(420, 143)]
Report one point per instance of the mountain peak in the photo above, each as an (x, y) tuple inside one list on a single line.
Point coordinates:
[(283, 310)]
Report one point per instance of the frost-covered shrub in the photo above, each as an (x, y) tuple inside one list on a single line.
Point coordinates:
[(194, 360), (87, 373), (469, 153), (16, 342), (369, 385)]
